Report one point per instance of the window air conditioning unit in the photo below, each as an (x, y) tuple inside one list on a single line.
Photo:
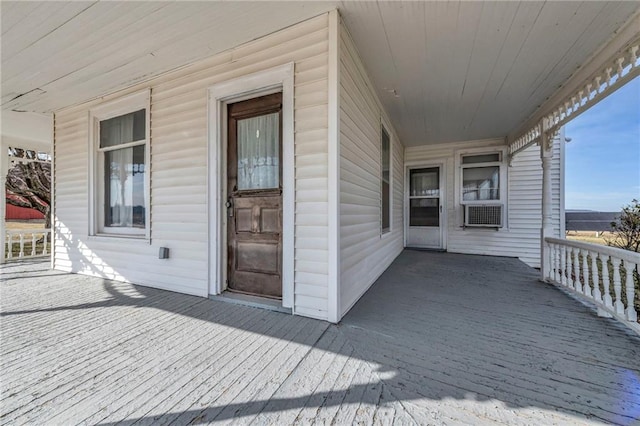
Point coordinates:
[(483, 215)]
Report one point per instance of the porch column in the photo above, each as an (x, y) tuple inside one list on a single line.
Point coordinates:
[(4, 169), (546, 154)]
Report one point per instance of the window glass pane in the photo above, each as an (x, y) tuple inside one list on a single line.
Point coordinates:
[(481, 183), (123, 129), (385, 206), (259, 152), (385, 187), (484, 158), (424, 182), (125, 187), (424, 212), (386, 157)]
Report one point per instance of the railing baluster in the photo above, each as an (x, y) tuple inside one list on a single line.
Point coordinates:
[(551, 255), (570, 267), (576, 270), (563, 265), (33, 244), (10, 246), (552, 262), (608, 302), (617, 286), (550, 259), (21, 254), (44, 248), (585, 273), (630, 311), (596, 279), (556, 263)]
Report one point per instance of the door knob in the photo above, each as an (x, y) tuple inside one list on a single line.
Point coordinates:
[(229, 205)]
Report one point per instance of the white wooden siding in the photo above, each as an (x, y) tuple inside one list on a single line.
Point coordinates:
[(521, 235), (179, 209), (364, 253)]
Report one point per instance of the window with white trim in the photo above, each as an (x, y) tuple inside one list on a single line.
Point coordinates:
[(120, 157), (481, 178), (385, 181)]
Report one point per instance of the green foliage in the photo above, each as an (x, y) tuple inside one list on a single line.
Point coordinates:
[(626, 229)]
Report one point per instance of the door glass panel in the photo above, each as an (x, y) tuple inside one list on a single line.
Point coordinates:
[(424, 212), (424, 193), (425, 182), (259, 152)]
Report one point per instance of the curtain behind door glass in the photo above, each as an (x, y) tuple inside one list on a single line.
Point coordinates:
[(259, 152), (124, 187)]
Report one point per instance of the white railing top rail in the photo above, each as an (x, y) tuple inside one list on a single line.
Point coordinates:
[(621, 254), (27, 231)]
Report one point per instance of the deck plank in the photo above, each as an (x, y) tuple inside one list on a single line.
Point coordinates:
[(438, 339)]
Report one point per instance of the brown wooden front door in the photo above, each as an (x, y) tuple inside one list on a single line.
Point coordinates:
[(254, 188)]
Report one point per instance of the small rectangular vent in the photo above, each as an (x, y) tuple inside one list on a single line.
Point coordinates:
[(483, 215)]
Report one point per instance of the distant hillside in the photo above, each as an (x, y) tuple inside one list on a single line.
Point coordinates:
[(588, 220)]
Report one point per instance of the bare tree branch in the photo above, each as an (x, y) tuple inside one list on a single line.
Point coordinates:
[(29, 185), (627, 228)]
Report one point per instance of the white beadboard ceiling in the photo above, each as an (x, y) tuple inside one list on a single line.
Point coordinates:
[(445, 71)]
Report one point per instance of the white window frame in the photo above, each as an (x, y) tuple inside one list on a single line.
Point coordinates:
[(499, 164), (121, 106), (504, 185), (385, 128)]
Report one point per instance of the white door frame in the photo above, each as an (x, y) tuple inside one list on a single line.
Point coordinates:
[(442, 164), (261, 83)]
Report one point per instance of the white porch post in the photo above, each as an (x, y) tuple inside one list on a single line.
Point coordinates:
[(4, 169), (546, 154)]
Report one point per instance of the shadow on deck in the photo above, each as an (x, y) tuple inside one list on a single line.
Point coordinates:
[(439, 339)]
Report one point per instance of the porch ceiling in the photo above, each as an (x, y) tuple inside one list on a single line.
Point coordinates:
[(444, 71)]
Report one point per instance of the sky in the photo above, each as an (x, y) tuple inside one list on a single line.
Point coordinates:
[(602, 161)]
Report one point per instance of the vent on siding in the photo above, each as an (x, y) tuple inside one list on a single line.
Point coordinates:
[(483, 215)]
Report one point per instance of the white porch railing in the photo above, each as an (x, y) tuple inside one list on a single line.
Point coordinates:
[(605, 276), (28, 243)]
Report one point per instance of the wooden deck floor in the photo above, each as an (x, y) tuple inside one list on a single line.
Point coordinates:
[(439, 339)]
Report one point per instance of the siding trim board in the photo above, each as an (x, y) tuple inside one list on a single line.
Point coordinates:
[(333, 294)]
